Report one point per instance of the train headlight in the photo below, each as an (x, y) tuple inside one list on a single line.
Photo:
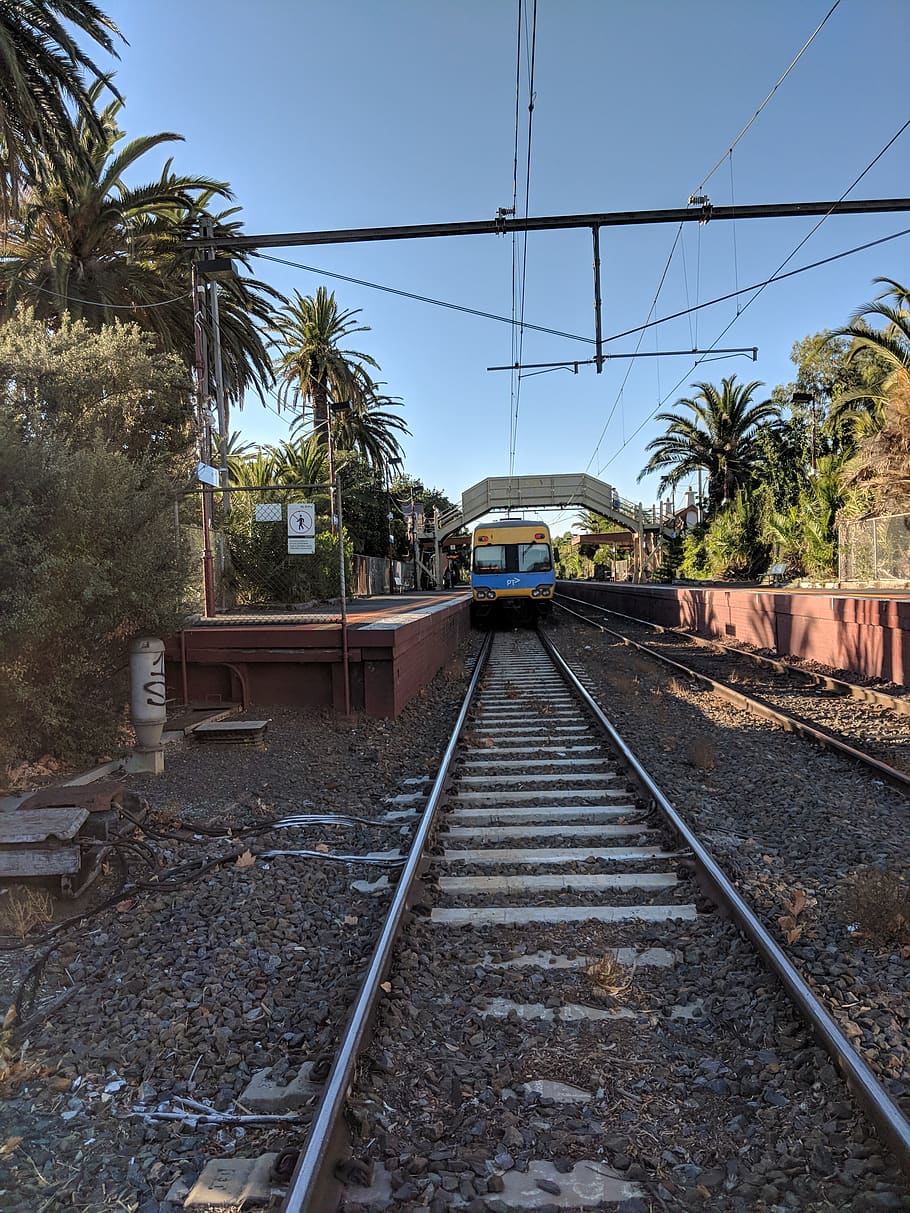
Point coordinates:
[(541, 591)]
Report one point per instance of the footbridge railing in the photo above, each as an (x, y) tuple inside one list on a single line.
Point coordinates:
[(506, 493)]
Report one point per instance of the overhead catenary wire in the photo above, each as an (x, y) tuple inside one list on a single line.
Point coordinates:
[(704, 181), (516, 391), (775, 277)]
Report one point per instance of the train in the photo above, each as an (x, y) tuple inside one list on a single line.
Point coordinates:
[(511, 570)]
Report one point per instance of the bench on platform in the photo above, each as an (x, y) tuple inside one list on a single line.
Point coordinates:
[(777, 574)]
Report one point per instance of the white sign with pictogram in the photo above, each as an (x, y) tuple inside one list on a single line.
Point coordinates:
[(301, 529), (302, 521)]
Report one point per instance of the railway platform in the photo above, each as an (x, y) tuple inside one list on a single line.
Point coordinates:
[(388, 648), (865, 632)]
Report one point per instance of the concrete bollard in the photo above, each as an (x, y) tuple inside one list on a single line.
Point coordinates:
[(147, 705)]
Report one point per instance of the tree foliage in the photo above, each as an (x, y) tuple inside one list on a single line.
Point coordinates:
[(717, 434), (110, 389), (88, 246), (89, 556), (313, 369), (43, 68)]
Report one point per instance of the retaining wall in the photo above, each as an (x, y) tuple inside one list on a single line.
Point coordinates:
[(389, 660), (867, 635)]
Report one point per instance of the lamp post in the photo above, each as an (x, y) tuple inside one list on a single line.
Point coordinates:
[(212, 270), (333, 407), (808, 398)]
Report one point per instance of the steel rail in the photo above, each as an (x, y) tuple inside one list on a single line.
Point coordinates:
[(896, 703), (757, 707), (311, 1185), (891, 1123)]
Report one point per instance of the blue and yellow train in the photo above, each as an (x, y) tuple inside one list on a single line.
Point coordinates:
[(511, 569)]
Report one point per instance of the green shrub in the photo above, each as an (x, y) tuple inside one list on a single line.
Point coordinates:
[(87, 562)]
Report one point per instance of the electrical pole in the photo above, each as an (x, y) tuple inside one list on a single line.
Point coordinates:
[(207, 226), (204, 435)]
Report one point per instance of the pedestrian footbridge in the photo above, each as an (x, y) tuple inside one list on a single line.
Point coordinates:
[(499, 494)]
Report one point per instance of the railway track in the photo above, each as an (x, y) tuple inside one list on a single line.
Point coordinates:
[(861, 722), (562, 1020)]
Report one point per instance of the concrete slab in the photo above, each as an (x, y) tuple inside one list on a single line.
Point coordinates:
[(520, 855), (227, 1183), (506, 797), (371, 887), (589, 1185), (519, 916), (581, 777), (574, 1012), (558, 751), (263, 1095), (507, 833), (628, 957), (557, 882), (225, 732), (559, 1092), (524, 764), (506, 815)]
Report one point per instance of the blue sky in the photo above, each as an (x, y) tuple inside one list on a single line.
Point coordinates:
[(361, 113)]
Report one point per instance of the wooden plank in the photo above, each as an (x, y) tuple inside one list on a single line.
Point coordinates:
[(96, 797), (37, 825), (43, 861)]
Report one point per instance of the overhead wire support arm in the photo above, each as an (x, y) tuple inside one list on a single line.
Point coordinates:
[(574, 363), (501, 225)]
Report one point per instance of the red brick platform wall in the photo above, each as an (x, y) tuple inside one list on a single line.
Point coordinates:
[(869, 636), (301, 664)]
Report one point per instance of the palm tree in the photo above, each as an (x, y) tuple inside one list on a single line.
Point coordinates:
[(313, 368), (366, 428), (719, 437), (89, 246), (304, 462), (864, 412), (41, 69)]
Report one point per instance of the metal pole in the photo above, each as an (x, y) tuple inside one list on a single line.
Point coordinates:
[(205, 441), (328, 431), (436, 549), (598, 333), (220, 399), (812, 443), (388, 489), (344, 612)]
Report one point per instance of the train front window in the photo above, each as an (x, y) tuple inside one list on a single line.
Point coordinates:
[(533, 558), (490, 558)]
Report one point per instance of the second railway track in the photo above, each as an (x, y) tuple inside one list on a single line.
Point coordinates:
[(565, 1022), (870, 722)]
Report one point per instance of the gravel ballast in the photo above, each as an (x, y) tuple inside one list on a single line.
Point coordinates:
[(189, 991)]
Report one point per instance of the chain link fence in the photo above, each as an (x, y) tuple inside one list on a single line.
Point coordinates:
[(874, 549), (263, 573)]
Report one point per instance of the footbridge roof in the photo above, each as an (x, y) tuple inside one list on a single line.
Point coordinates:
[(503, 493)]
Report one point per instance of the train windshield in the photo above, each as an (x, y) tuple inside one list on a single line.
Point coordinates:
[(490, 559), (512, 558), (533, 558)]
